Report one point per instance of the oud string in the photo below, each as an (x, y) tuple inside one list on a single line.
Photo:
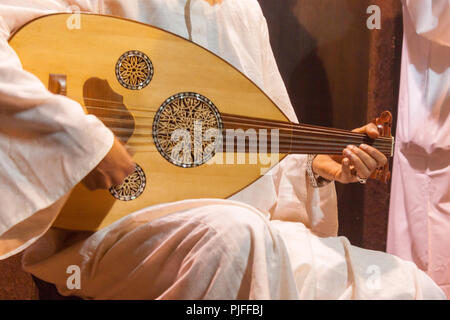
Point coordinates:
[(383, 144)]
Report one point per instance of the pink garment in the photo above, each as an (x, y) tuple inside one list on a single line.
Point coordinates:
[(220, 249), (419, 222)]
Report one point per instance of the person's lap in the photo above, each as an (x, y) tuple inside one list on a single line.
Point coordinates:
[(221, 250)]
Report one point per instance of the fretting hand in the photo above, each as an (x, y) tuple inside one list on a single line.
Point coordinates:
[(356, 161)]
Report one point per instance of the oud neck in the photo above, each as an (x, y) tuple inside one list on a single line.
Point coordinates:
[(294, 138)]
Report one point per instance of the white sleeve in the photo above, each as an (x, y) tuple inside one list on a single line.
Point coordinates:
[(47, 145), (431, 19)]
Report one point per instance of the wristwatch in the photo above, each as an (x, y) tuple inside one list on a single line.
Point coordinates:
[(315, 180)]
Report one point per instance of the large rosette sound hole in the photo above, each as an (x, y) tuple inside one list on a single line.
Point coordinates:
[(187, 129)]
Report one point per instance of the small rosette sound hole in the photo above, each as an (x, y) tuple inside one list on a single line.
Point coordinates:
[(134, 70), (132, 187)]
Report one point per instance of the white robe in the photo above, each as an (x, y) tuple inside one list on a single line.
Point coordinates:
[(419, 221), (235, 248)]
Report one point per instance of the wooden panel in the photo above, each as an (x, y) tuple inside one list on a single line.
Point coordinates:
[(384, 80), (322, 50)]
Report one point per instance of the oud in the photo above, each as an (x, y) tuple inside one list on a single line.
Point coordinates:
[(175, 104)]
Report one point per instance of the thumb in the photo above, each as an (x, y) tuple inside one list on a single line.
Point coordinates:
[(370, 129)]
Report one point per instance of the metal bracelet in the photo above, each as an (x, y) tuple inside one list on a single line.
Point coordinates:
[(315, 180)]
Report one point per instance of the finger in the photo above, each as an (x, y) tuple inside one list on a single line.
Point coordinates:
[(105, 183), (347, 171), (101, 179), (370, 162), (120, 176), (370, 129), (119, 179), (374, 153), (130, 169), (360, 167)]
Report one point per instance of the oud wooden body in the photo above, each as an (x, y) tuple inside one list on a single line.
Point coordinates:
[(47, 46)]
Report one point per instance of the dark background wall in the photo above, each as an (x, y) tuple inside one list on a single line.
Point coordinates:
[(341, 74)]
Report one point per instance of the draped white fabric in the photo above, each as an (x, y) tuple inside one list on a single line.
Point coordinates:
[(420, 196), (262, 244)]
